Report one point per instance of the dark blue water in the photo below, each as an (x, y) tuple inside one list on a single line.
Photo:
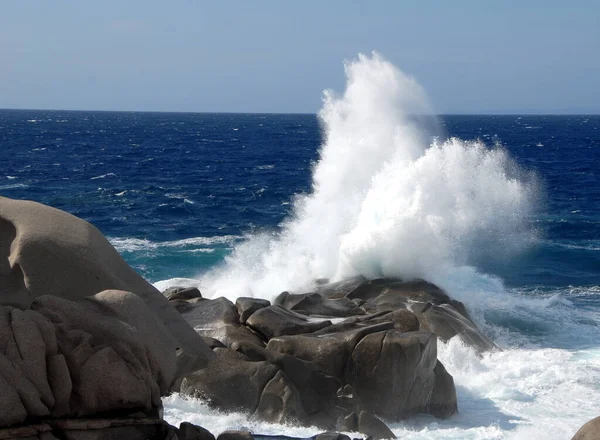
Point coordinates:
[(175, 192)]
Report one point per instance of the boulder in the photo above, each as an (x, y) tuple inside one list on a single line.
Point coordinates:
[(314, 304), (67, 257), (232, 382), (589, 431), (275, 321), (104, 354), (393, 373), (218, 319), (247, 306), (235, 435), (188, 431), (373, 427), (182, 293), (434, 309)]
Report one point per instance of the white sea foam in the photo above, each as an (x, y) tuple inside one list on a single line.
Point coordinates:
[(388, 198), (534, 390), (103, 176), (142, 244)]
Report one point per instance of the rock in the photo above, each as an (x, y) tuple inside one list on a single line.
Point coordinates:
[(188, 431), (447, 322), (67, 257), (275, 321), (340, 289), (393, 373), (589, 431), (182, 293), (373, 427), (348, 423), (105, 353), (434, 309), (280, 401), (331, 436), (235, 435), (443, 401), (231, 382), (247, 306), (314, 304), (218, 319)]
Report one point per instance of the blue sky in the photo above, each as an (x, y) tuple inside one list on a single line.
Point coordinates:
[(527, 56)]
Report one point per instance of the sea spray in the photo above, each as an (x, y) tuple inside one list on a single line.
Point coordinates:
[(388, 197)]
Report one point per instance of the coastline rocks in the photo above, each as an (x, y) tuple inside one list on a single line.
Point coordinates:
[(589, 431), (104, 354), (323, 357), (45, 251)]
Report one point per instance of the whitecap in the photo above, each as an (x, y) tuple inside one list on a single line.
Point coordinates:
[(103, 176)]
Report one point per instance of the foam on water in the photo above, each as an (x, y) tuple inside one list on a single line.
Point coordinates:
[(388, 197), (532, 389), (142, 244), (391, 198)]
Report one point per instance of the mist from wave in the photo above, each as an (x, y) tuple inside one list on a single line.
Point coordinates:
[(389, 198)]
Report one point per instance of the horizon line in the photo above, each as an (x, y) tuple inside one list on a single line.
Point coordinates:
[(483, 113)]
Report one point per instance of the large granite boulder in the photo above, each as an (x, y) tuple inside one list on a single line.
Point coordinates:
[(589, 431), (45, 251), (358, 347), (107, 353)]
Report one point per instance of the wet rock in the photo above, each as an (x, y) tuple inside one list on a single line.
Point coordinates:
[(235, 435), (314, 304), (275, 321), (373, 427), (247, 306), (393, 373), (188, 431), (182, 293), (218, 319), (231, 382)]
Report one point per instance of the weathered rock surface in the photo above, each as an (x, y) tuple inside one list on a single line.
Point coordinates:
[(45, 251), (589, 431), (378, 359), (104, 354)]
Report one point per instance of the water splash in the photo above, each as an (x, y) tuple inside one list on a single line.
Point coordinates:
[(388, 197)]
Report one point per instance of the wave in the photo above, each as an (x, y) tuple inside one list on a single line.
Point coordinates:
[(103, 176), (142, 244), (389, 197)]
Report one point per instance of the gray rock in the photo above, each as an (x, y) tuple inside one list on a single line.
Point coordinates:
[(106, 353), (188, 431), (235, 435), (231, 382), (373, 427), (67, 257), (314, 304), (247, 306), (182, 293), (275, 321), (218, 319)]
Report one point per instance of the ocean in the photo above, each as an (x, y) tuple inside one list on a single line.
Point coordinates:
[(501, 211)]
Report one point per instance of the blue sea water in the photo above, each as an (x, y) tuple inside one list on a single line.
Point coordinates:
[(176, 191), (502, 211)]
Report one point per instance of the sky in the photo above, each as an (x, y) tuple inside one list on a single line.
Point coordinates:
[(511, 56)]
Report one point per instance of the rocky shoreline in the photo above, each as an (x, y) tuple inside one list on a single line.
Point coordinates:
[(88, 347)]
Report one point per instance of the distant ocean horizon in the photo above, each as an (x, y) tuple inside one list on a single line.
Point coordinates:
[(503, 211)]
